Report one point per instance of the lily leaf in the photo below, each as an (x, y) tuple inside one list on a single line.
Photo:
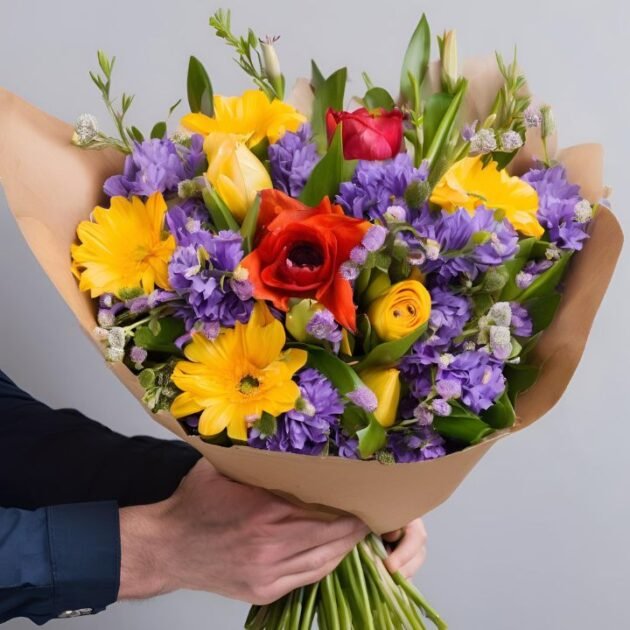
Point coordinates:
[(219, 213), (329, 94), (317, 78), (542, 309), (164, 341), (372, 438), (436, 108), (547, 282), (520, 378), (200, 95), (415, 64), (462, 425), (248, 229), (501, 415), (389, 352), (342, 375), (378, 97), (327, 174), (514, 267)]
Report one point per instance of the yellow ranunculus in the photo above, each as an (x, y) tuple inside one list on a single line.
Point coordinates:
[(251, 115), (385, 383), (244, 372), (468, 184), (234, 172), (402, 309)]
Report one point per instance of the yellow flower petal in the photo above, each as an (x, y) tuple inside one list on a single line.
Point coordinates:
[(185, 405)]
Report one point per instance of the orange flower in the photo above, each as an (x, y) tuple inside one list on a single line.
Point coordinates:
[(300, 252)]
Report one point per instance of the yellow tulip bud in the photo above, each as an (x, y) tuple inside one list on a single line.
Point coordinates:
[(385, 383), (234, 172), (401, 310), (448, 54)]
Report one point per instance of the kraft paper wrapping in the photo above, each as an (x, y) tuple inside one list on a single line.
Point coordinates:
[(51, 186)]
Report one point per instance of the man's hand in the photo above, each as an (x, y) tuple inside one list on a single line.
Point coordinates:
[(410, 551), (245, 543)]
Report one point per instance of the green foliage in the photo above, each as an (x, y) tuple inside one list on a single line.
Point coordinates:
[(378, 97), (389, 353), (248, 229), (199, 88), (462, 425), (415, 64), (501, 415), (219, 213), (328, 94), (162, 338)]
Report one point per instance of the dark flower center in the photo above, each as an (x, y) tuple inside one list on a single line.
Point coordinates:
[(248, 384), (304, 254)]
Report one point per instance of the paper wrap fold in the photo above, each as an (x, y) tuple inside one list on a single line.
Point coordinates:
[(51, 186)]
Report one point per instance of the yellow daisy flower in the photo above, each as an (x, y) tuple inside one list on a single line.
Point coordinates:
[(124, 247), (252, 116), (468, 184), (236, 377)]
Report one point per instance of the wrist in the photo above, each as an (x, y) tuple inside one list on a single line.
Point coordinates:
[(143, 566)]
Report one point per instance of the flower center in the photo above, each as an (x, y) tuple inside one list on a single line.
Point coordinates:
[(304, 254), (409, 309), (248, 385)]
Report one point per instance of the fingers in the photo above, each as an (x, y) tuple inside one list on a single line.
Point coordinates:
[(393, 537), (411, 568), (409, 549)]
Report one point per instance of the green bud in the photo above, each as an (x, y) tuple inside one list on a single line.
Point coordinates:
[(495, 279), (379, 283), (129, 293), (548, 124), (479, 238), (298, 317), (385, 457), (417, 193)]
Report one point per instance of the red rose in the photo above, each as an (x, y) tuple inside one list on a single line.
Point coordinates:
[(299, 254), (367, 135)]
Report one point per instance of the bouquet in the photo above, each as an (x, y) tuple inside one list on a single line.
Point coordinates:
[(358, 302)]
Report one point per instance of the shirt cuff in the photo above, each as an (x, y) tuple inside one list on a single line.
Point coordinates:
[(84, 541)]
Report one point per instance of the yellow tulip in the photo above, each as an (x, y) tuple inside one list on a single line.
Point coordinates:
[(400, 310), (251, 115), (385, 383), (235, 172), (468, 184)]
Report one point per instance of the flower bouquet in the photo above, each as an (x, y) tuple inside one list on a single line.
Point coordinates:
[(358, 303)]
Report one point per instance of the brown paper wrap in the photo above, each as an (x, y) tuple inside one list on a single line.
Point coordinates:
[(51, 186)]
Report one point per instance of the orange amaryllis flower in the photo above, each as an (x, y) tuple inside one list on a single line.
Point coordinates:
[(300, 252)]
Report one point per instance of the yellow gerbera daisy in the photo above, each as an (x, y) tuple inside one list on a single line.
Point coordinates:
[(124, 247), (468, 184), (236, 377), (252, 116)]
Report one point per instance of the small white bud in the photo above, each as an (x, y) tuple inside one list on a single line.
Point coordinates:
[(583, 211)]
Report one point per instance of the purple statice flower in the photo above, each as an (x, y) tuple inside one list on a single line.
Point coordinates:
[(452, 249), (197, 273), (521, 325), (193, 156), (323, 326), (531, 271), (144, 303), (347, 446), (185, 222), (375, 186), (292, 160), (374, 238), (449, 315), (416, 367), (441, 407), (307, 428), (154, 166), (416, 445), (558, 200), (363, 397), (480, 375)]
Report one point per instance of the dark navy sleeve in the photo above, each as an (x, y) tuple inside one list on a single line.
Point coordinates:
[(63, 478), (59, 561)]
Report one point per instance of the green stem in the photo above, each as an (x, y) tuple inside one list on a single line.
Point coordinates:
[(308, 611), (345, 616), (363, 592), (286, 612), (359, 606), (330, 603), (321, 616), (296, 610)]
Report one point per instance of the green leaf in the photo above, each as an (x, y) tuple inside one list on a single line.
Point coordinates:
[(416, 63), (200, 95), (317, 78), (219, 213), (146, 378), (327, 174), (329, 94), (435, 109), (267, 425), (372, 438), (514, 267), (547, 281), (462, 425), (542, 309), (378, 97), (342, 376), (520, 378), (248, 229), (389, 352), (155, 326), (159, 130), (136, 134), (170, 329), (501, 415), (174, 106)]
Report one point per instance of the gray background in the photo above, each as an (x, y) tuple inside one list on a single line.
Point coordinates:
[(536, 536)]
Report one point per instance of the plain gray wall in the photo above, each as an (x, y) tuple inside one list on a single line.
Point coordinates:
[(536, 537)]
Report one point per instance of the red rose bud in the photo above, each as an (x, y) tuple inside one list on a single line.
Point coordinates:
[(367, 135)]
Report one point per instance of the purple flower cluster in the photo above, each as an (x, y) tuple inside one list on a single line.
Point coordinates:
[(307, 428), (463, 244), (376, 186), (292, 160), (157, 165), (200, 271), (558, 203), (415, 445), (449, 315)]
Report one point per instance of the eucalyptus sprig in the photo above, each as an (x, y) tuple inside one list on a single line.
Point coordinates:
[(251, 55)]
